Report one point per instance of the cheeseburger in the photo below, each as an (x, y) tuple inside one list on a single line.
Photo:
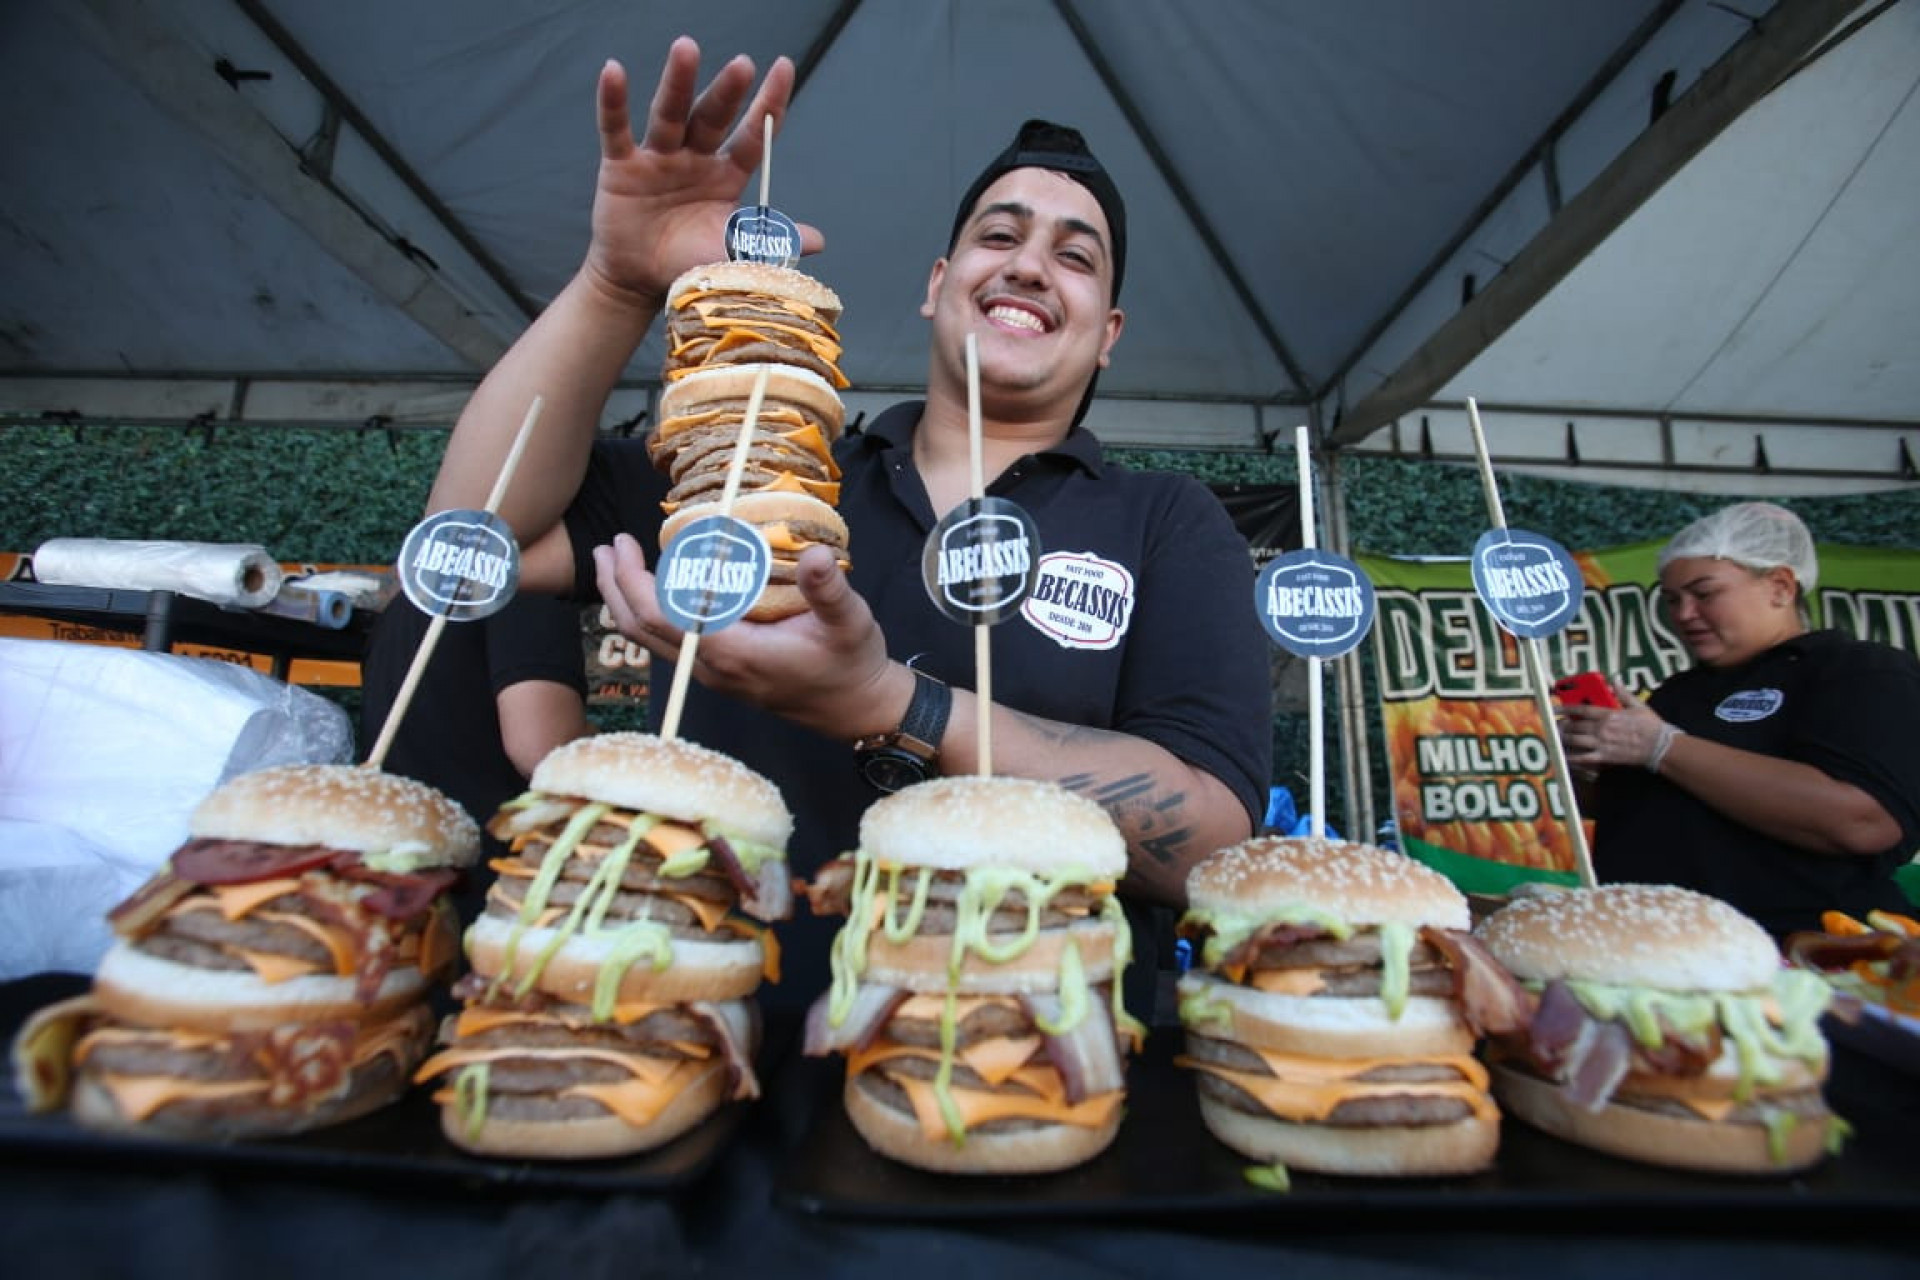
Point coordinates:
[(1333, 1009), (272, 977), (609, 1007), (790, 522), (976, 982), (1667, 1031), (727, 313), (791, 449)]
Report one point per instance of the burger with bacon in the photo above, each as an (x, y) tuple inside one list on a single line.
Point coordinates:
[(1333, 1009), (273, 976), (609, 1007), (1667, 1031), (976, 981)]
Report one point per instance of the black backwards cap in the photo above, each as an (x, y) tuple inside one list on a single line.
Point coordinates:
[(1041, 144)]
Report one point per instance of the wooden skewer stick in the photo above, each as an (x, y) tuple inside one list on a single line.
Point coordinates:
[(690, 639), (1536, 667), (1316, 703), (982, 632), (411, 684)]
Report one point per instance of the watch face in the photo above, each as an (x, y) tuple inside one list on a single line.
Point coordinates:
[(890, 769)]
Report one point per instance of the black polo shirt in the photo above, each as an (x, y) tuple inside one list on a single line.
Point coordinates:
[(1142, 622), (1847, 707)]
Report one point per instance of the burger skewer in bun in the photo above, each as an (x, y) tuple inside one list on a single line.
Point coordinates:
[(1332, 1015), (790, 522), (976, 981), (1667, 1031), (272, 978), (610, 1004)]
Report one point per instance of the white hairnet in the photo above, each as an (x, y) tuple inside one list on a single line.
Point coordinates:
[(1758, 535)]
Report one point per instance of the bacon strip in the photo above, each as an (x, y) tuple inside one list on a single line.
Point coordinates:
[(1491, 1000), (768, 896)]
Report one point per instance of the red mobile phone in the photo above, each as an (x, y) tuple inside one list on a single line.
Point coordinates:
[(1587, 689)]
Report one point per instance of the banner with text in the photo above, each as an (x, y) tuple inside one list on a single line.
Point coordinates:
[(1473, 788)]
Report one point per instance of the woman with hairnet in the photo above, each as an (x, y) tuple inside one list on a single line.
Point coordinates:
[(1781, 772)]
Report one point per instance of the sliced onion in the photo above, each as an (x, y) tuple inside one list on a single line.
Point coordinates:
[(508, 823), (731, 1026), (1087, 1054), (768, 896), (873, 1004)]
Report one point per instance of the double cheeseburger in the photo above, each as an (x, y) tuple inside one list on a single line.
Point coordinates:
[(728, 313), (976, 981), (609, 1004), (790, 522), (1667, 1031), (1332, 1012), (273, 977)]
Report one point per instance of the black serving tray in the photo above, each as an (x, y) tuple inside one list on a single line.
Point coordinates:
[(1165, 1165), (401, 1143)]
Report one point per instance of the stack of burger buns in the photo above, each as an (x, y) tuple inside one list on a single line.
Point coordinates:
[(727, 324), (1334, 1007), (976, 981), (273, 977), (609, 1004)]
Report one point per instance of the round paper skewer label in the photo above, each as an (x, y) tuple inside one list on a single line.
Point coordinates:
[(757, 233), (462, 564), (712, 572), (980, 561), (1314, 603), (1527, 581)]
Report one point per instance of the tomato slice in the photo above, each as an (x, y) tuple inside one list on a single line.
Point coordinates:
[(208, 860)]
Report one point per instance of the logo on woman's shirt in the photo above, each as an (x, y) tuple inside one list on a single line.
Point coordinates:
[(1749, 704)]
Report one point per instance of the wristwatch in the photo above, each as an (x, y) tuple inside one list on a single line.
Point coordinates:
[(903, 756)]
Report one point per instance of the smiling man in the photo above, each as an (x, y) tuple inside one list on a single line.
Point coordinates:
[(1136, 673)]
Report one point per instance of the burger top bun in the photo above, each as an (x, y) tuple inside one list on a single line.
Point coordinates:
[(1639, 935), (670, 777), (958, 823), (730, 382), (341, 806), (756, 277), (1360, 883)]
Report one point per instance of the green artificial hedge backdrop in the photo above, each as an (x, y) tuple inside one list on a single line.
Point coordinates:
[(349, 497)]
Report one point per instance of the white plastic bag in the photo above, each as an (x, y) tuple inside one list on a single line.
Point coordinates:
[(103, 755)]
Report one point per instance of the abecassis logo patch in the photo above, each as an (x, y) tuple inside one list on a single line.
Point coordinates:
[(1080, 600), (1749, 705)]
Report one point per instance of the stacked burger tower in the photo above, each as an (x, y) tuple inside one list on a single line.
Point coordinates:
[(609, 1004), (976, 980), (273, 976), (727, 324)]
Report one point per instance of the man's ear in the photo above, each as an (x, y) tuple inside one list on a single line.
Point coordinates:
[(934, 277)]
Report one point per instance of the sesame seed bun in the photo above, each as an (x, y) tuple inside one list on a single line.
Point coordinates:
[(756, 277), (670, 777), (732, 385), (349, 807), (958, 823), (1360, 883), (1639, 935)]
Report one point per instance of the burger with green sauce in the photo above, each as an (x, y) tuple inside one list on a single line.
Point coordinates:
[(976, 982), (1667, 1031), (609, 1007), (1332, 1015)]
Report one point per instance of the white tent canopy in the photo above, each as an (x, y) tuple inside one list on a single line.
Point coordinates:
[(1668, 240)]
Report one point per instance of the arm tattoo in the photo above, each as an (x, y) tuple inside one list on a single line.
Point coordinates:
[(1152, 824)]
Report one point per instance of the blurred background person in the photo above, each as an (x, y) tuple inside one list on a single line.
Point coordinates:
[(1779, 772), (497, 695)]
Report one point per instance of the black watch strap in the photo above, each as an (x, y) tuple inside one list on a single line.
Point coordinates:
[(902, 756)]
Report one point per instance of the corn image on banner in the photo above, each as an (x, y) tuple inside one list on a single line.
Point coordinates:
[(1474, 792)]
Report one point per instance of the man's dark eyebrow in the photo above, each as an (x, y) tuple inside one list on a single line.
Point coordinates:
[(1024, 212)]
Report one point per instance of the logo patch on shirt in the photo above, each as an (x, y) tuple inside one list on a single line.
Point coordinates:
[(1080, 600), (1749, 705)]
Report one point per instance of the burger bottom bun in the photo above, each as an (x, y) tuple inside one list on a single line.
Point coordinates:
[(373, 1084), (699, 970), (132, 986), (1046, 1148), (1465, 1146), (1324, 1026), (1654, 1137), (575, 1139), (920, 963), (777, 600)]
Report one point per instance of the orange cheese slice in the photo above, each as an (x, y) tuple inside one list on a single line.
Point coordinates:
[(977, 1108), (274, 967), (999, 1058), (237, 900), (138, 1097), (342, 947), (670, 839), (1288, 982), (1313, 1100), (641, 1065), (638, 1101)]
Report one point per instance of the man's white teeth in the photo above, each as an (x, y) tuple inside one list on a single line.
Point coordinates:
[(1016, 317)]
